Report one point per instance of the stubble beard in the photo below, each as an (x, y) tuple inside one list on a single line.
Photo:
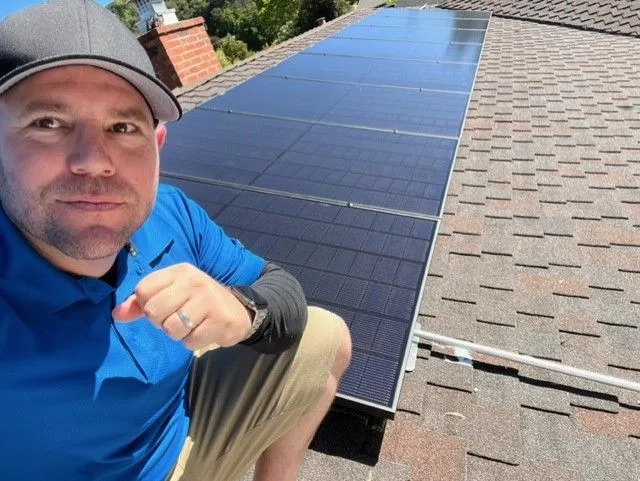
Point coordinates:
[(35, 217)]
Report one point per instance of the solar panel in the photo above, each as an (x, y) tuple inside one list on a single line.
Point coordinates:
[(432, 13), (244, 131), (366, 266), (215, 145), (383, 72), (442, 52), (427, 22), (360, 166), (420, 112), (373, 168), (335, 164), (399, 34)]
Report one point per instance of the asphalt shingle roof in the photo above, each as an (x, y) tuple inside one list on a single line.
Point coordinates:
[(538, 253), (612, 16)]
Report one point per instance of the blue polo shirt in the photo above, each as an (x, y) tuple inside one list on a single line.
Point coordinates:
[(83, 397)]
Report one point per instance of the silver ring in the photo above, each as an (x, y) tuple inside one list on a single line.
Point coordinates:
[(184, 317)]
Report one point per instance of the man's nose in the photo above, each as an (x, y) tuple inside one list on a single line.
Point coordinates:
[(89, 154)]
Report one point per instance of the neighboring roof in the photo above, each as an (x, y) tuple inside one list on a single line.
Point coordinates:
[(612, 16), (538, 252)]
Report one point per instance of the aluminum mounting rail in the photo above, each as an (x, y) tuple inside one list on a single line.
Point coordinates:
[(529, 360)]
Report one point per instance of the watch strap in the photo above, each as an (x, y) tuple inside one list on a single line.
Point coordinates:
[(253, 301)]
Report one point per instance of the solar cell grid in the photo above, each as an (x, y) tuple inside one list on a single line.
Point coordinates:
[(368, 167), (427, 35), (292, 99), (422, 23), (201, 163), (336, 164), (383, 72), (420, 112), (198, 126), (432, 52), (373, 282), (426, 112), (431, 13)]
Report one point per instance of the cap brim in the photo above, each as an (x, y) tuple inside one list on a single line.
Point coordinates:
[(163, 104)]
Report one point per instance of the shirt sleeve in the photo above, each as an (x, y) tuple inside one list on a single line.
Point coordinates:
[(287, 312), (230, 263), (222, 257)]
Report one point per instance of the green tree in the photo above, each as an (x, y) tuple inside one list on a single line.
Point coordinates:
[(127, 12), (257, 23), (224, 61), (243, 22), (186, 9), (279, 16), (312, 10), (234, 50)]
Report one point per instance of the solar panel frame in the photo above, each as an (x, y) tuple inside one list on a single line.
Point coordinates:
[(376, 72), (381, 170), (401, 34), (424, 52), (433, 13), (421, 112), (360, 366), (412, 22), (375, 285), (367, 163)]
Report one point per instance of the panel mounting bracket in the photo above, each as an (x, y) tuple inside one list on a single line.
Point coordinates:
[(413, 351)]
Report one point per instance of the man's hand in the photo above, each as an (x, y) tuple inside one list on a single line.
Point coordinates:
[(213, 314)]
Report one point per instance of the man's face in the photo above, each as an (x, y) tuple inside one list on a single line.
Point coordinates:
[(78, 160)]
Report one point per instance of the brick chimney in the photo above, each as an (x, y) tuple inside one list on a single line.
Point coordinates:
[(181, 53)]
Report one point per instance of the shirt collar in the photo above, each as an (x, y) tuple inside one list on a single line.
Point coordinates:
[(27, 278), (150, 241), (40, 289)]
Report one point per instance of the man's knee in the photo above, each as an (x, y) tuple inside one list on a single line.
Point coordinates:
[(343, 354), (342, 341)]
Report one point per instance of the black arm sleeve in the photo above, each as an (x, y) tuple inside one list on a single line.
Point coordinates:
[(287, 312)]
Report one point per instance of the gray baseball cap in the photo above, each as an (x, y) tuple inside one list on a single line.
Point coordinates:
[(79, 32)]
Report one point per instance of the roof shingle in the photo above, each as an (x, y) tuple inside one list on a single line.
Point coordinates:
[(612, 16)]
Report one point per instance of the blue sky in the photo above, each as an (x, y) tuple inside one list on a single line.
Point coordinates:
[(10, 6)]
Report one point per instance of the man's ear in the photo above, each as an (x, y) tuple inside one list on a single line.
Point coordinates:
[(161, 135)]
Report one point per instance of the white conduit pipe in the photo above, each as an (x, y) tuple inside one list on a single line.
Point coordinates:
[(529, 360)]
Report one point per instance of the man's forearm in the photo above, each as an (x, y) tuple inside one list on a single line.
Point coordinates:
[(287, 312)]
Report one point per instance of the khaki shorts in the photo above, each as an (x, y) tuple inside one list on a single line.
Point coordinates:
[(242, 401)]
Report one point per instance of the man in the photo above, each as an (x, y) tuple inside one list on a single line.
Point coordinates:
[(109, 283)]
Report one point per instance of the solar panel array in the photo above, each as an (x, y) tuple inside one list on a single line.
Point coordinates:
[(335, 164)]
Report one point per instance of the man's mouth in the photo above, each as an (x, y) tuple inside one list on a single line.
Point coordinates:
[(93, 204)]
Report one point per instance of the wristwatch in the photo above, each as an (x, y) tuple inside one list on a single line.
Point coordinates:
[(255, 303)]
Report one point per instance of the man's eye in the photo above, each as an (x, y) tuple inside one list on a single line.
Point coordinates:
[(47, 123), (123, 128)]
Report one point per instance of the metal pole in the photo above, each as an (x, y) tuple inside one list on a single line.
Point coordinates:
[(529, 360)]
